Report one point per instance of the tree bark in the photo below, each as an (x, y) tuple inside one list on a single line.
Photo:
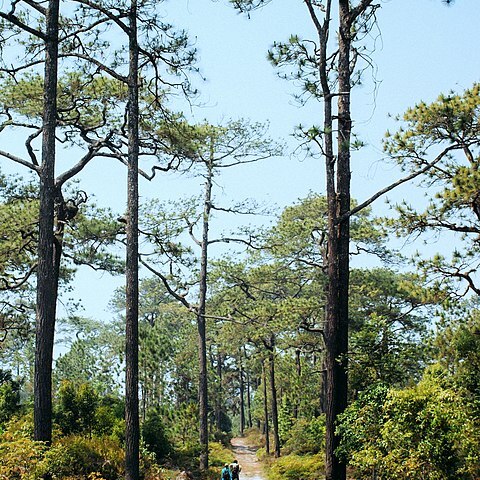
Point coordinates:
[(46, 283), (242, 395), (265, 409), (201, 322), (274, 402), (249, 406), (132, 426), (336, 332), (219, 396)]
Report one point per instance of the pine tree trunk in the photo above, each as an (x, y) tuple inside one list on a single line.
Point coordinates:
[(201, 325), (242, 397), (219, 396), (273, 391), (132, 426), (46, 283), (337, 330), (265, 410), (249, 406)]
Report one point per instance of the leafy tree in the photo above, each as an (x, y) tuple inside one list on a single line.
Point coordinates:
[(425, 431), (154, 435), (76, 408), (46, 35), (9, 396), (92, 354), (457, 350), (443, 136), (216, 148), (390, 313)]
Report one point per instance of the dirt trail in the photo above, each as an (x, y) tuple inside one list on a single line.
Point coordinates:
[(251, 467)]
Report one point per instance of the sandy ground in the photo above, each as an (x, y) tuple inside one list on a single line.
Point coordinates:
[(251, 467)]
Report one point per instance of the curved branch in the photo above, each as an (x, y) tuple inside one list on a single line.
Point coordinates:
[(10, 17), (387, 189), (21, 161), (167, 285)]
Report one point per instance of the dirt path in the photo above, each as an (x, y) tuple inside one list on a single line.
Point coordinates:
[(251, 467)]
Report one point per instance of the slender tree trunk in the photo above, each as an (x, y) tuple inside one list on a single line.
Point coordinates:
[(249, 405), (265, 409), (219, 396), (298, 365), (274, 402), (332, 369), (46, 284), (201, 324), (337, 330), (242, 396), (132, 426)]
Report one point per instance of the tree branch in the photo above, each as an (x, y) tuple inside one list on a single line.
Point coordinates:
[(19, 160), (170, 290), (387, 189)]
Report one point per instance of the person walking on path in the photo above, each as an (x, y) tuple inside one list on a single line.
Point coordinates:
[(226, 473), (235, 470)]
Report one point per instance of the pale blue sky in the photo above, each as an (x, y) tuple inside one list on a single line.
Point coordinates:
[(422, 48)]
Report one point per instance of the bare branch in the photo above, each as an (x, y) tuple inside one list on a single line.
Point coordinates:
[(36, 6), (170, 290), (21, 161), (10, 17), (107, 12), (100, 65), (387, 189)]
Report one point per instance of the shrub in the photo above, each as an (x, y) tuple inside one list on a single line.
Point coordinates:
[(296, 467), (19, 455), (219, 455), (76, 408), (306, 436), (9, 396), (425, 432), (80, 457), (155, 436)]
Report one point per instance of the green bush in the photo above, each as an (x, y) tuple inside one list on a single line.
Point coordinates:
[(9, 396), (78, 457), (306, 436), (296, 467), (76, 407), (155, 436), (219, 455), (19, 454), (426, 432)]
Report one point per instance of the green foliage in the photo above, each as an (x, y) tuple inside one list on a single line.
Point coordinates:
[(295, 467), (19, 454), (75, 457), (81, 410), (389, 316), (76, 407), (219, 455), (9, 397), (457, 346), (92, 354), (185, 426), (360, 430), (79, 97), (424, 432), (155, 436), (442, 139), (306, 436)]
